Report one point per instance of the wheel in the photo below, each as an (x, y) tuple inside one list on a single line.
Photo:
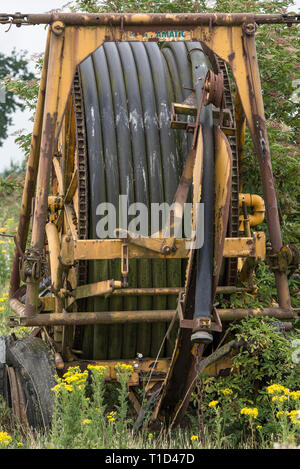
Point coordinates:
[(28, 379)]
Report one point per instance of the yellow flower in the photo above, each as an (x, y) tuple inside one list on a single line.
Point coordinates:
[(77, 378), (294, 416), (251, 411), (68, 387), (259, 427), (2, 299), (282, 398), (2, 308), (100, 369), (213, 403), (150, 436), (10, 219), (281, 412), (57, 387), (295, 421), (123, 367), (86, 421), (4, 251), (2, 230), (61, 386), (74, 376), (226, 391), (275, 388), (20, 444), (5, 438), (194, 438), (295, 395), (111, 415)]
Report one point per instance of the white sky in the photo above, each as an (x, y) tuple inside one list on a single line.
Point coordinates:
[(32, 39)]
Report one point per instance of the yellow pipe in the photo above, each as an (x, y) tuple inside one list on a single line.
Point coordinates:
[(56, 276), (257, 204), (54, 254)]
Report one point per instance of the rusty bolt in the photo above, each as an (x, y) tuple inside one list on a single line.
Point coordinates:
[(58, 28), (166, 249), (250, 28)]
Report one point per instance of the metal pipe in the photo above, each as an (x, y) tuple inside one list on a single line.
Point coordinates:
[(122, 317), (147, 291), (257, 125), (54, 254), (238, 314), (158, 19), (44, 169), (173, 291), (17, 307), (106, 317), (30, 178), (257, 203)]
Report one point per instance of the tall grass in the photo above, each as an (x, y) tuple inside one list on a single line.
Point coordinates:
[(84, 419)]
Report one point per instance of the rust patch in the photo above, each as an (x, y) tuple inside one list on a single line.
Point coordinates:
[(231, 57)]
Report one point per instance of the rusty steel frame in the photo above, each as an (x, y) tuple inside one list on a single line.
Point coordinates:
[(154, 19), (91, 249), (122, 317), (72, 37)]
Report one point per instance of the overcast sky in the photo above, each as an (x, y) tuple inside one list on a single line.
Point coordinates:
[(32, 39)]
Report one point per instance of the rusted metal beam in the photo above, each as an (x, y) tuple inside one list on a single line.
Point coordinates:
[(105, 317), (48, 302), (30, 179), (142, 19), (111, 248), (47, 147), (171, 291), (238, 314), (252, 101), (122, 317)]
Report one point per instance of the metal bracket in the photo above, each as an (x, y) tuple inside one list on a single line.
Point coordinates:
[(201, 322), (124, 264), (288, 258), (58, 27), (250, 27), (33, 265)]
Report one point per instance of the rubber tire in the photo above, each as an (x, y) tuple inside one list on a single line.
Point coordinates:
[(32, 359)]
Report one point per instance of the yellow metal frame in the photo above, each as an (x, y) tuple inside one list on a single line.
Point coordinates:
[(93, 249), (67, 46)]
